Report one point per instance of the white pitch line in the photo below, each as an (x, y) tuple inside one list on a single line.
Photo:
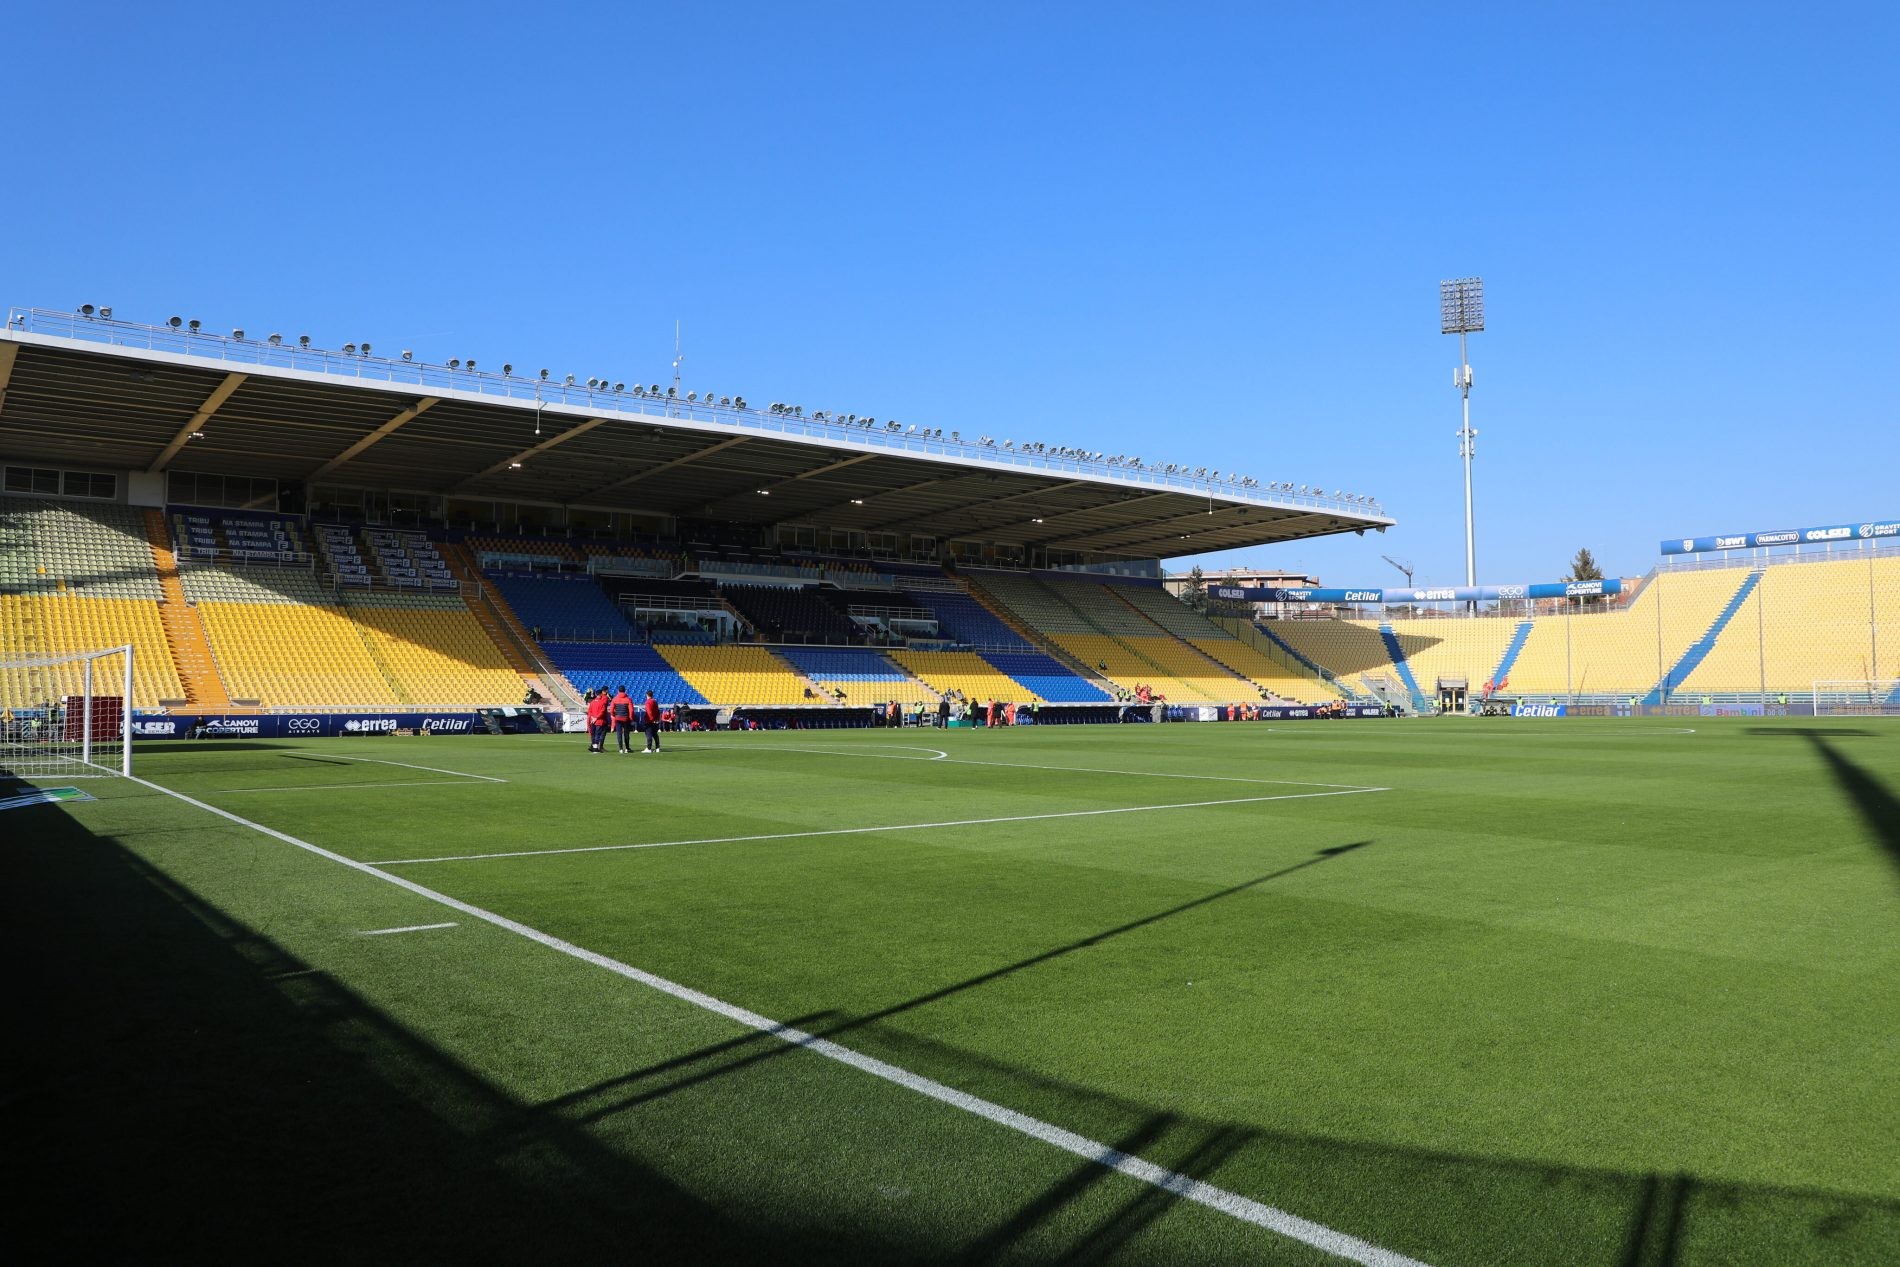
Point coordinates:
[(407, 928), (1232, 1204), (337, 756), (859, 831), (1019, 765)]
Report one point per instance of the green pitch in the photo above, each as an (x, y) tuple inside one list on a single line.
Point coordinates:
[(1459, 992)]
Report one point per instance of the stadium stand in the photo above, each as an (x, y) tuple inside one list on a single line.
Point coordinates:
[(368, 649), (51, 624), (863, 675), (1048, 677), (964, 672), (596, 665), (1453, 648), (1351, 650), (564, 608), (963, 618), (1260, 668), (789, 613), (77, 576), (434, 650), (50, 547), (740, 675), (250, 629)]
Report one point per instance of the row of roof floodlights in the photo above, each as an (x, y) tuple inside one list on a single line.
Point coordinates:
[(691, 402)]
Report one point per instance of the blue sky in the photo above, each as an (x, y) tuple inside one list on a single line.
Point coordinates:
[(1188, 232)]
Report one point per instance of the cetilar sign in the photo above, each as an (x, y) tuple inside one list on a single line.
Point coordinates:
[(1385, 597)]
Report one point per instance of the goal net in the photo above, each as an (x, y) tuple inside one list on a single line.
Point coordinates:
[(1867, 697), (66, 715)]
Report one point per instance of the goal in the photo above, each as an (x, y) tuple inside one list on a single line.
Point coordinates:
[(66, 715), (1867, 697)]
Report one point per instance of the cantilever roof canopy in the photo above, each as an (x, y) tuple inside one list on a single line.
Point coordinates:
[(221, 410)]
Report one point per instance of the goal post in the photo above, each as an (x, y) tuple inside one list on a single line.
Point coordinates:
[(1858, 697), (66, 715)]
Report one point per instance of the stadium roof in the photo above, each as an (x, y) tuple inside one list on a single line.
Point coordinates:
[(100, 393)]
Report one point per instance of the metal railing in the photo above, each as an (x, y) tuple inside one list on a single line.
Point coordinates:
[(472, 383)]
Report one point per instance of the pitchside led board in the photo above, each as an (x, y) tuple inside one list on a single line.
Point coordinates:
[(1448, 594), (1784, 537)]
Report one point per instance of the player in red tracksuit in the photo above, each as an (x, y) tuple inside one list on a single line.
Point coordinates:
[(620, 713), (597, 721), (651, 713)]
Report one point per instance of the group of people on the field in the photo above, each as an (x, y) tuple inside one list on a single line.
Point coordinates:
[(618, 713)]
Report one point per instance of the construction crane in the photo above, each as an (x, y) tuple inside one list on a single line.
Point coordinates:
[(1402, 565)]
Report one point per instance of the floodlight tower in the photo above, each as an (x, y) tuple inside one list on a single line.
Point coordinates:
[(1461, 312)]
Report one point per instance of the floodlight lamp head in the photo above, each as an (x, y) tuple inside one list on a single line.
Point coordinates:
[(620, 387), (471, 364), (1461, 305), (366, 349), (544, 376), (455, 362), (105, 313), (507, 369), (174, 322), (86, 310), (194, 323), (570, 380), (238, 334), (303, 340), (349, 349), (276, 339)]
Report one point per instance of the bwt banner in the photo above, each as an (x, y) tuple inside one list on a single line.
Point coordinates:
[(1783, 537), (1446, 594), (319, 725)]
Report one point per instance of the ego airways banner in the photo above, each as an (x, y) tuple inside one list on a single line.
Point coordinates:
[(1784, 537)]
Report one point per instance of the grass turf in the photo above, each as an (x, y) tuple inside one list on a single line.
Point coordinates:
[(1591, 992)]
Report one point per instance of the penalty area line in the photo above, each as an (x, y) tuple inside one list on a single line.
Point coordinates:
[(1245, 1209), (864, 831), (337, 756)]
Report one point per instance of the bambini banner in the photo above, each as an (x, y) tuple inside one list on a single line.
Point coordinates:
[(1388, 597), (1825, 535)]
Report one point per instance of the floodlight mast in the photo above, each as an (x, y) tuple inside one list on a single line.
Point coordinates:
[(1461, 312)]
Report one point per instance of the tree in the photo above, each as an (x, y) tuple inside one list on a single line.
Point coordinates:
[(1194, 593), (1584, 568)]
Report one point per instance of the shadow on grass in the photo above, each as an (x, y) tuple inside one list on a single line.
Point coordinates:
[(756, 1047), (1879, 807), (181, 1087), (178, 1087)]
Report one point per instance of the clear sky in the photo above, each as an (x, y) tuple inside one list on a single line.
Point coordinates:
[(1208, 233)]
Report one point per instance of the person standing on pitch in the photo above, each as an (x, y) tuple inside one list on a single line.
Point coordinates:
[(620, 711), (651, 711), (597, 721)]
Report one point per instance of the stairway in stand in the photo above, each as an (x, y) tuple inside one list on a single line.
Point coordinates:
[(499, 622), (184, 632)]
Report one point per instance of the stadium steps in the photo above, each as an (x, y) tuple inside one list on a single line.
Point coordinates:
[(1216, 669), (504, 629), (1700, 648), (1249, 635), (1502, 674), (184, 632), (1390, 637), (377, 658), (1010, 620), (1287, 648)]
